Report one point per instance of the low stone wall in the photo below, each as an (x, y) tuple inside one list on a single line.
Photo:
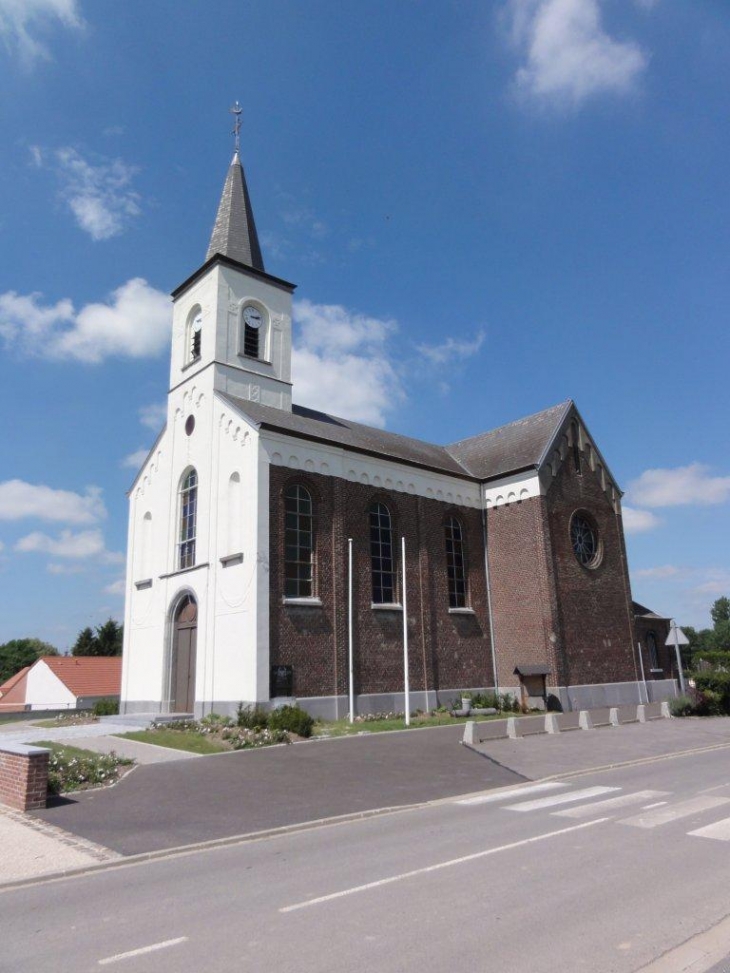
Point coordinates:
[(23, 776)]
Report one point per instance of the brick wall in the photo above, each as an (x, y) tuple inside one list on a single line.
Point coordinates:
[(447, 650), (523, 598), (666, 654), (594, 604), (23, 776)]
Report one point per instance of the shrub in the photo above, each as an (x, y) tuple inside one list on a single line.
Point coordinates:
[(713, 692), (106, 707), (215, 720), (488, 700), (72, 770), (251, 717), (681, 706), (292, 719)]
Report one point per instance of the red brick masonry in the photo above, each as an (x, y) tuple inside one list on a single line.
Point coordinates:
[(23, 776)]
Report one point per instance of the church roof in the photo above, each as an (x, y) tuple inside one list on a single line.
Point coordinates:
[(517, 446), (234, 233)]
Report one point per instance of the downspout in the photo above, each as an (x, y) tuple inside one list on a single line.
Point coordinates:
[(489, 600)]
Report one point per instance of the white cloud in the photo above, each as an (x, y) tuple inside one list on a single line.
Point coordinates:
[(54, 568), (679, 486), (136, 459), (569, 57), (135, 323), (99, 196), (341, 363), (85, 544), (638, 521), (20, 18), (116, 588), (661, 573), (153, 416), (19, 499), (453, 349)]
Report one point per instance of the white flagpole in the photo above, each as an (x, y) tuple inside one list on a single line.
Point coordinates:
[(405, 633), (350, 653)]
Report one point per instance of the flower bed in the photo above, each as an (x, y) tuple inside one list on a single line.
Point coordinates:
[(73, 769)]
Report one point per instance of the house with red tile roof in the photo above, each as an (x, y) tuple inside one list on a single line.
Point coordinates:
[(62, 682)]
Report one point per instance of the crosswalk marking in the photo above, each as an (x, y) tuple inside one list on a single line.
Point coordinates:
[(600, 807), (544, 802), (720, 831), (513, 792), (665, 815)]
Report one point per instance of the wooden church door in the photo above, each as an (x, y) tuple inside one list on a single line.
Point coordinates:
[(182, 681)]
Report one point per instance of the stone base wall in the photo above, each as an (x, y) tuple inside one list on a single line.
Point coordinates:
[(23, 776)]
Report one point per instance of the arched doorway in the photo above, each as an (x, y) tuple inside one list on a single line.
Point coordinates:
[(182, 670)]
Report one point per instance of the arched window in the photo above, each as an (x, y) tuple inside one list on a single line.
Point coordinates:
[(193, 334), (455, 568), (188, 517), (381, 555), (653, 654), (298, 543), (575, 436)]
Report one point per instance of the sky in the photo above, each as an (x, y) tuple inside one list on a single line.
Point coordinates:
[(487, 207)]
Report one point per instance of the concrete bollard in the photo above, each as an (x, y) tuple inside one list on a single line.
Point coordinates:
[(584, 720), (551, 723), (641, 713), (666, 712), (613, 716), (512, 728), (471, 734)]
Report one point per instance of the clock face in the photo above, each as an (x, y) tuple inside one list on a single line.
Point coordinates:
[(252, 316), (197, 322)]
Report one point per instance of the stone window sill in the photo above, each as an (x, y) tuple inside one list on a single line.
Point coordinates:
[(230, 559), (387, 607), (461, 611), (174, 574), (303, 602), (141, 585)]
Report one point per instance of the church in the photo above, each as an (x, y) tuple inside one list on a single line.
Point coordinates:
[(276, 553)]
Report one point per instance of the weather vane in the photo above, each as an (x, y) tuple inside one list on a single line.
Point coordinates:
[(236, 110)]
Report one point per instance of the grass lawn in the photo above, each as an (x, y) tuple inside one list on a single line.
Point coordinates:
[(65, 749), (176, 740), (339, 728)]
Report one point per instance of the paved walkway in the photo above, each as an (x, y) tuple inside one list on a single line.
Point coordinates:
[(98, 737)]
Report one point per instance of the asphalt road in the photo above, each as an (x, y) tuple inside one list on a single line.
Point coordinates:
[(602, 872), (172, 804)]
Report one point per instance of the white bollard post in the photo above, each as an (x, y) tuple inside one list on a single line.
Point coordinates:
[(584, 720), (613, 716), (551, 723), (641, 713), (666, 712), (512, 728), (471, 734)]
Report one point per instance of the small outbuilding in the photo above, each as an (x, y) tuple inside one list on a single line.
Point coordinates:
[(62, 682)]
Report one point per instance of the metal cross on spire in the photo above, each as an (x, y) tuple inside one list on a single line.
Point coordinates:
[(236, 110)]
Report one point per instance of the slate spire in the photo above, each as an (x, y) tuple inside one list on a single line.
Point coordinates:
[(234, 233)]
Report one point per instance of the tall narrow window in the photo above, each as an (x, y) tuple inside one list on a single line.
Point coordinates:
[(188, 516), (653, 654), (455, 564), (194, 334), (574, 434), (381, 555), (298, 543)]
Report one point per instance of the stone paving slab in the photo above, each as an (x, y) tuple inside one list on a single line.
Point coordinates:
[(143, 753), (29, 734)]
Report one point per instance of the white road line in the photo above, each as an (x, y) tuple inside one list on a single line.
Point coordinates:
[(544, 802), (588, 810), (511, 793), (438, 867), (648, 807), (674, 812), (720, 831), (143, 949)]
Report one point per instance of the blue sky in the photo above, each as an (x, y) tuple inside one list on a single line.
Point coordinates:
[(487, 207)]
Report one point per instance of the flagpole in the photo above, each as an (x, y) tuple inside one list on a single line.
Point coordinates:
[(405, 635), (350, 652)]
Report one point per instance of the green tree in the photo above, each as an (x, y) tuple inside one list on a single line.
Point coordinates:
[(85, 643), (720, 612), (18, 653), (106, 640)]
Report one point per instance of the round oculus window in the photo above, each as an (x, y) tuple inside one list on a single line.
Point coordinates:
[(189, 425), (584, 538)]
